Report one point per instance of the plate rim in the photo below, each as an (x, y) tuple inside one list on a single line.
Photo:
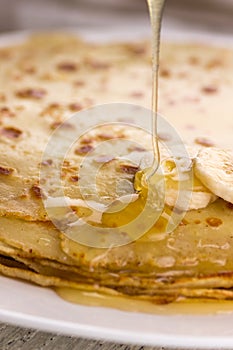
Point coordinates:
[(128, 337)]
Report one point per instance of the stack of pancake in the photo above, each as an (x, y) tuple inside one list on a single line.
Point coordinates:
[(45, 80)]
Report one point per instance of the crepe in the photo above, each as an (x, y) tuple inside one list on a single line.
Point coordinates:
[(41, 88), (46, 80)]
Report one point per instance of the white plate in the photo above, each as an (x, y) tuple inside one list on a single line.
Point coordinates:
[(32, 306)]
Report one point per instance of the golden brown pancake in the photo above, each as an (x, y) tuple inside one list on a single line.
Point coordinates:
[(50, 77)]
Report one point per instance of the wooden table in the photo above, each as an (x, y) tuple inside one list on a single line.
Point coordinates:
[(17, 338)]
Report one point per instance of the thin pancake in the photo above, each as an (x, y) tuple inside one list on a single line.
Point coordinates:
[(41, 88), (159, 297), (195, 241), (196, 246)]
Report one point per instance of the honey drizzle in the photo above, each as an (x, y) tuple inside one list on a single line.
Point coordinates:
[(156, 12)]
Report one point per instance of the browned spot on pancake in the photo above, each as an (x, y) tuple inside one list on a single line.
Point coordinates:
[(197, 222), (193, 60), (204, 142), (24, 196), (184, 222), (128, 168), (84, 149), (5, 54), (30, 70), (6, 112), (47, 162), (11, 132), (209, 90), (214, 222), (214, 63), (63, 125), (74, 178), (75, 107), (98, 64), (53, 109), (34, 93), (137, 49), (67, 66), (2, 97), (136, 149), (63, 174), (55, 105), (46, 77), (79, 83), (137, 94), (6, 171), (66, 163), (26, 66), (36, 190), (68, 169), (86, 140), (17, 76), (106, 136), (165, 73), (229, 205), (81, 212)]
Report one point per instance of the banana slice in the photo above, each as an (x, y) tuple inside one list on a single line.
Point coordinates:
[(197, 196), (214, 168), (200, 198)]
